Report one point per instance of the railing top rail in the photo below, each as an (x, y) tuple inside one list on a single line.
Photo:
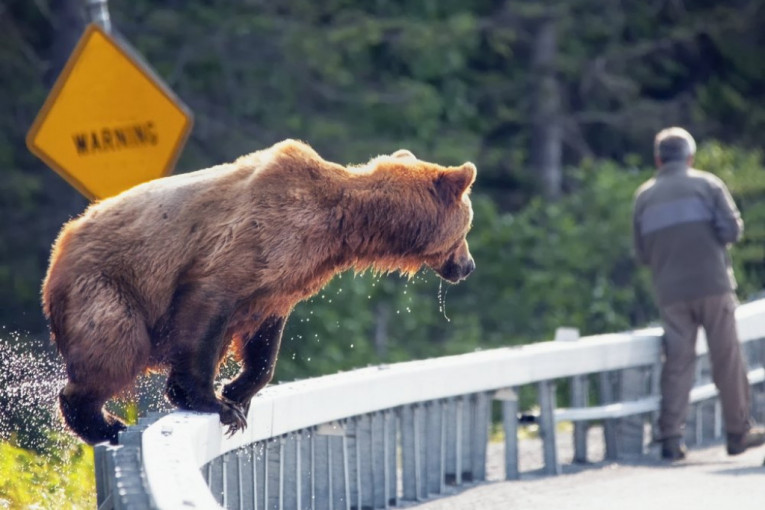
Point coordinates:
[(177, 445)]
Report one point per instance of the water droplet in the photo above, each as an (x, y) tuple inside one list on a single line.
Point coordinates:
[(442, 300)]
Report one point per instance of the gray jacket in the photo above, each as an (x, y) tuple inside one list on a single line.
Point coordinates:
[(683, 221)]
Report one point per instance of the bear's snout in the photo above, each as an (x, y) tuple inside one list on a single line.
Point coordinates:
[(469, 268), (456, 269)]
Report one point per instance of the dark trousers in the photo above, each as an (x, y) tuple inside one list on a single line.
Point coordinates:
[(681, 323)]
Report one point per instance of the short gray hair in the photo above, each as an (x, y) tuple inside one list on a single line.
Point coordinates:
[(673, 144)]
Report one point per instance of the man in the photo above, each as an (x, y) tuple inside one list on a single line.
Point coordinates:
[(683, 221)]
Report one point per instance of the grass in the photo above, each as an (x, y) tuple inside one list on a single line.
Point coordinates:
[(61, 479)]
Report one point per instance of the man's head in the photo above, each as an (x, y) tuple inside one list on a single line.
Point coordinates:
[(673, 144)]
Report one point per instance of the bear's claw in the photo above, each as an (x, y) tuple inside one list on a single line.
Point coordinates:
[(231, 414)]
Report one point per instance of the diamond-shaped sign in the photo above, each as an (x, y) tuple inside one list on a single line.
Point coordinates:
[(109, 123)]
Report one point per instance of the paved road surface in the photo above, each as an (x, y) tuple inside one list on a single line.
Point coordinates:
[(706, 479)]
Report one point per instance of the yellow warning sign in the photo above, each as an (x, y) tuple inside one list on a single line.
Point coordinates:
[(109, 123)]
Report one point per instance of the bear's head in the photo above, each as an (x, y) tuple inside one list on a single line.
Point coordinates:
[(435, 231), (452, 260)]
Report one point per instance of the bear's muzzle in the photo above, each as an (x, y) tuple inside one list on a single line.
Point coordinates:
[(455, 270)]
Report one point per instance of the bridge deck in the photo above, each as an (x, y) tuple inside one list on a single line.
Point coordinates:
[(707, 478)]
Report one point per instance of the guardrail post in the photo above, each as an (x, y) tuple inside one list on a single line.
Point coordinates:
[(421, 451), (757, 359), (509, 399), (129, 491), (245, 477), (352, 434), (579, 398), (451, 441), (707, 419), (694, 423), (335, 460), (103, 480), (363, 461), (305, 447), (631, 428), (291, 479), (260, 474), (226, 468), (273, 469), (546, 397), (322, 473), (391, 458), (104, 467), (409, 454), (215, 478), (378, 461), (706, 413), (609, 425), (434, 440), (466, 408), (655, 391), (119, 477), (481, 424)]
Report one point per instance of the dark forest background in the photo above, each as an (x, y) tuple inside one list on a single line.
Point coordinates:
[(555, 101)]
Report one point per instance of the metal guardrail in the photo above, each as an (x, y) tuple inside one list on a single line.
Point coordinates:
[(374, 437)]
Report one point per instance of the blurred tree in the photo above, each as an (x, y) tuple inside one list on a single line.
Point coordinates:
[(34, 201), (546, 118), (744, 173), (452, 81)]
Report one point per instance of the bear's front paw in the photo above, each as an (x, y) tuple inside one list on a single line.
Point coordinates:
[(233, 416), (232, 394)]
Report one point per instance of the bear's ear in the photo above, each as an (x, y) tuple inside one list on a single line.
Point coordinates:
[(403, 154), (452, 184)]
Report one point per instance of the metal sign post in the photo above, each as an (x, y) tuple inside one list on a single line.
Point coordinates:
[(98, 12)]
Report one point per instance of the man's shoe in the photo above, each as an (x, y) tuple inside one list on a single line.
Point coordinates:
[(739, 443), (673, 449)]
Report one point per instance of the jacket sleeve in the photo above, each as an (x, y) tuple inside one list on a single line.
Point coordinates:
[(637, 238), (727, 220)]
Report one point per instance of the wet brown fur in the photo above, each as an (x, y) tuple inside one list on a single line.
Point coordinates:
[(135, 280)]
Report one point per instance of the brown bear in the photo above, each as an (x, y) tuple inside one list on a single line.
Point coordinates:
[(170, 273)]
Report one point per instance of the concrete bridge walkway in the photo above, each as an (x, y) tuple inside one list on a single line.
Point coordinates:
[(707, 479)]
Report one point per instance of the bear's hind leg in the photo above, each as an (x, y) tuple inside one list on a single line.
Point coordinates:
[(83, 412), (105, 350), (102, 337), (259, 353), (95, 379)]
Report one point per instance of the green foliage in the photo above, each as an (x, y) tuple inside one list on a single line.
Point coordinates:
[(60, 479), (744, 174), (561, 264)]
